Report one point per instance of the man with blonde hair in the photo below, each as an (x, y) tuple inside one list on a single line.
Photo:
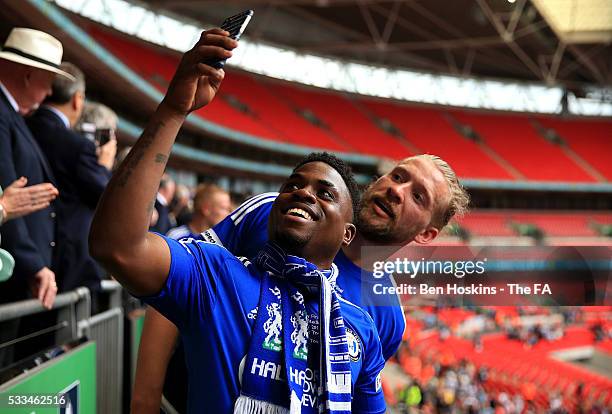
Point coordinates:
[(211, 204), (430, 184)]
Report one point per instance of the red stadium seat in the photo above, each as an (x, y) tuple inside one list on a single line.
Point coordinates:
[(345, 121), (590, 139), (515, 140), (430, 132)]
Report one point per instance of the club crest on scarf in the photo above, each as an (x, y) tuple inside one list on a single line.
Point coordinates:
[(274, 325), (280, 375), (299, 336)]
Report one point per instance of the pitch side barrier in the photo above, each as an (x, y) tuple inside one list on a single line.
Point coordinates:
[(106, 329), (89, 374)]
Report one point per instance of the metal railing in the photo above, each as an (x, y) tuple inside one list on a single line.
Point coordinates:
[(72, 307), (105, 328)]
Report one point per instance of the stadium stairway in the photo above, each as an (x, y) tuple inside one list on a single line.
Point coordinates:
[(344, 119), (591, 139), (429, 131), (517, 141)]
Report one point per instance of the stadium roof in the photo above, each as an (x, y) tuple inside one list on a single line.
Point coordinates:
[(565, 41), (280, 45)]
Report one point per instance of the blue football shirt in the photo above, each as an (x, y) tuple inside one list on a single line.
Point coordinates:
[(212, 297), (244, 232)]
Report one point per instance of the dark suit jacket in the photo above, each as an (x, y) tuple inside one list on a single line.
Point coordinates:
[(163, 222), (80, 181), (30, 239)]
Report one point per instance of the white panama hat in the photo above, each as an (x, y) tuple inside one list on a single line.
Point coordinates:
[(34, 48)]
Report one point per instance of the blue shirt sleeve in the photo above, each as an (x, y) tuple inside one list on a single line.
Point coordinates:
[(391, 324), (368, 395), (244, 231), (191, 290)]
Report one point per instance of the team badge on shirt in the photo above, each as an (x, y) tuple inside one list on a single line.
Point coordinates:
[(378, 382), (354, 344)]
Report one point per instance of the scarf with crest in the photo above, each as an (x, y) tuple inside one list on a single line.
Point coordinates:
[(297, 362)]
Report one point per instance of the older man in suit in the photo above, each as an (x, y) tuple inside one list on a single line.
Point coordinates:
[(81, 176), (29, 62)]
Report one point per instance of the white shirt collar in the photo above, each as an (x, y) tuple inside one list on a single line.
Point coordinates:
[(162, 200), (10, 98), (59, 113)]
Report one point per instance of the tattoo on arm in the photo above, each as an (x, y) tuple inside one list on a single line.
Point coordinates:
[(131, 163), (160, 158)]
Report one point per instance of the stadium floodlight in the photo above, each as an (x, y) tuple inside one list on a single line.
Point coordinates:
[(177, 33)]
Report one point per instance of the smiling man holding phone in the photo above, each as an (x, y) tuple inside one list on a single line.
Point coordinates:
[(262, 337)]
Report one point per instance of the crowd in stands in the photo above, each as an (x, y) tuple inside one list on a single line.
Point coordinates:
[(57, 154), (447, 381), (449, 387)]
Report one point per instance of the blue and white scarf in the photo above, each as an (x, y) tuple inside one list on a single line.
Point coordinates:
[(296, 359)]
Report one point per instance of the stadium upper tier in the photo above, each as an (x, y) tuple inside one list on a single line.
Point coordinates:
[(505, 223), (504, 146)]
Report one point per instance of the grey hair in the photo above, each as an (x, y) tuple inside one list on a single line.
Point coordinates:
[(63, 89), (99, 115)]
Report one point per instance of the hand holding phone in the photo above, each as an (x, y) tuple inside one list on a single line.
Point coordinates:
[(235, 25), (103, 135)]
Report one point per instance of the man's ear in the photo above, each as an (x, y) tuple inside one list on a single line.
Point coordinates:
[(205, 209), (427, 235), (75, 102), (349, 233)]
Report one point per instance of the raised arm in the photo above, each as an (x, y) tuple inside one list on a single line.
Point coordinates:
[(119, 236)]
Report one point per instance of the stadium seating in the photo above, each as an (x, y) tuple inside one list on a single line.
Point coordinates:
[(515, 140), (276, 114), (498, 223), (511, 148), (485, 223), (511, 368), (344, 120), (590, 139), (559, 224), (157, 66), (430, 132)]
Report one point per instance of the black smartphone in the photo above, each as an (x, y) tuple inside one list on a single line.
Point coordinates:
[(235, 25), (103, 136)]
